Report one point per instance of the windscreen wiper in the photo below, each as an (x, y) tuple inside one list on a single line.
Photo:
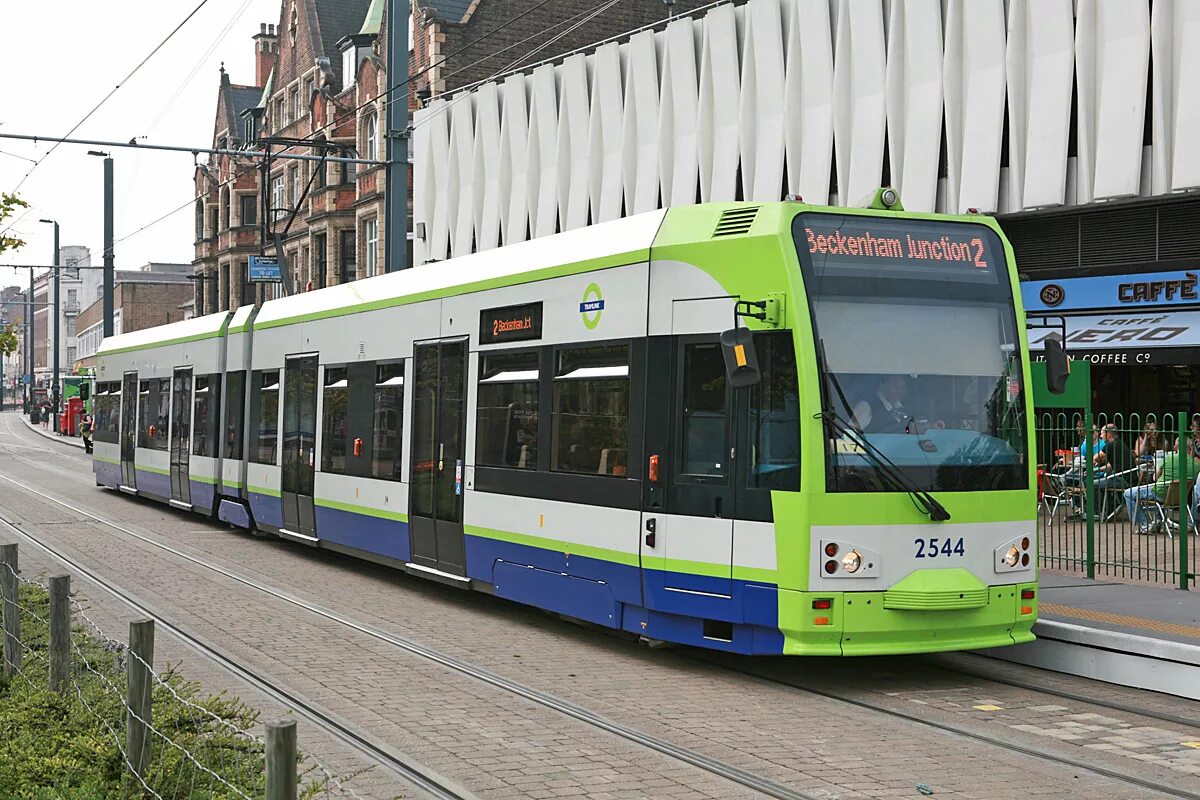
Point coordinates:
[(885, 466)]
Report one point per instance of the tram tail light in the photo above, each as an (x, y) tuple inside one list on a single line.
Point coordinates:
[(1027, 594), (823, 603)]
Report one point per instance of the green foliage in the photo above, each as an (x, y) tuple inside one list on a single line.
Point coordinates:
[(8, 339), (8, 202), (68, 746)]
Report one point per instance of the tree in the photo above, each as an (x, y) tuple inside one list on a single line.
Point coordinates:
[(9, 202), (8, 339)]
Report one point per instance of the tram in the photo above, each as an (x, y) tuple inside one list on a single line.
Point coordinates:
[(765, 428)]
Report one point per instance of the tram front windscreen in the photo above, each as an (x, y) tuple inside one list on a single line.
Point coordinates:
[(919, 349)]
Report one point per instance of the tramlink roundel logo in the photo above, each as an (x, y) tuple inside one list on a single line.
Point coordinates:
[(591, 307), (1052, 294)]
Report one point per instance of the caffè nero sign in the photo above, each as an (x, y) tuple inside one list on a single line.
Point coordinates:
[(1172, 337), (1113, 292)]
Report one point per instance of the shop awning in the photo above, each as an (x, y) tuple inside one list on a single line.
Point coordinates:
[(1170, 338)]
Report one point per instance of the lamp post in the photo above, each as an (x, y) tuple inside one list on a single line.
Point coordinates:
[(55, 310), (29, 348), (108, 239)]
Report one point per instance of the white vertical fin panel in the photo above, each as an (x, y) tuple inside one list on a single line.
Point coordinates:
[(1120, 46), (973, 75), (543, 152), (640, 140), (858, 98), (808, 98), (573, 149), (606, 121), (425, 194), (914, 100), (1040, 63), (678, 108), (717, 140), (437, 121), (761, 110), (462, 153), (1175, 31), (487, 167), (514, 152)]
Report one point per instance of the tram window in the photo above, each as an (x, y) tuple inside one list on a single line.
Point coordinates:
[(591, 411), (388, 421), (106, 412), (204, 424), (704, 431), (265, 387), (154, 404), (775, 416), (235, 414), (334, 428), (507, 432)]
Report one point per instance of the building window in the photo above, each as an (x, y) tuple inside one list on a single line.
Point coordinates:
[(249, 209), (349, 66), (214, 221), (247, 288), (70, 328), (321, 261), (199, 220), (226, 209), (309, 84), (371, 247), (370, 136), (265, 423), (294, 183), (389, 421), (70, 355), (590, 431), (320, 166), (279, 205), (279, 123), (349, 254), (507, 432), (297, 109)]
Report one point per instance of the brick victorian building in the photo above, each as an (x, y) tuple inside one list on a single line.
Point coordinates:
[(321, 76)]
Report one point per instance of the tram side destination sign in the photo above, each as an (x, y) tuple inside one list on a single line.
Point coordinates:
[(873, 246), (264, 269), (510, 323)]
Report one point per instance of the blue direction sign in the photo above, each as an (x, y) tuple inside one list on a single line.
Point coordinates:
[(264, 269)]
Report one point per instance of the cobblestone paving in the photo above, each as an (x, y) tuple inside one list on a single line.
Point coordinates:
[(504, 748)]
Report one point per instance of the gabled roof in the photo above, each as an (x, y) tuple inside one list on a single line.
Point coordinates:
[(447, 10), (239, 99)]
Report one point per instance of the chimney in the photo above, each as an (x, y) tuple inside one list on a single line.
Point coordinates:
[(266, 47)]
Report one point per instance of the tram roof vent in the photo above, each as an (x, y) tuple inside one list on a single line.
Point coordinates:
[(735, 221)]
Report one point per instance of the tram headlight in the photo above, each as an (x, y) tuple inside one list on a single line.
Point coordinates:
[(1012, 556), (1015, 554), (851, 562)]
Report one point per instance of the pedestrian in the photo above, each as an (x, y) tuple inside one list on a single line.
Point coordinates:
[(85, 431), (45, 414)]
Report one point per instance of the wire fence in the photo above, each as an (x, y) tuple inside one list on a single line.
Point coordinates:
[(1117, 495), (114, 725)]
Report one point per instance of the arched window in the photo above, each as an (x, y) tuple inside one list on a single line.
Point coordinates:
[(371, 149)]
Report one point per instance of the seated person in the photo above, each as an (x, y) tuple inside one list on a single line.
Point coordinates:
[(1150, 442), (884, 411), (1167, 472), (1111, 467)]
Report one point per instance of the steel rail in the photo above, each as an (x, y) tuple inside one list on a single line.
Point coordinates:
[(734, 774), (1042, 755), (411, 771)]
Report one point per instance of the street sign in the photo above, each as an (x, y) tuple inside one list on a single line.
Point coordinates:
[(26, 379), (264, 269)]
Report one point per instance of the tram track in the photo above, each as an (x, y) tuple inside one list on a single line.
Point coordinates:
[(1040, 754), (737, 775)]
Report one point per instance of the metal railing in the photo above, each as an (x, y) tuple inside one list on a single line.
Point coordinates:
[(1116, 495)]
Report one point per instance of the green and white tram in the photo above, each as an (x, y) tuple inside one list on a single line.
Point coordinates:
[(762, 428)]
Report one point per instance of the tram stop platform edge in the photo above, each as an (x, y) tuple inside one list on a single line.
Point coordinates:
[(1146, 637), (73, 441)]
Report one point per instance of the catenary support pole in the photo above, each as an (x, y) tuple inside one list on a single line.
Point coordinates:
[(281, 759), (139, 692), (60, 632), (55, 391), (29, 347), (108, 246), (8, 599), (396, 220)]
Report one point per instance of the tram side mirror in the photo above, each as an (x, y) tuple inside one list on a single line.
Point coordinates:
[(741, 362), (1058, 367)]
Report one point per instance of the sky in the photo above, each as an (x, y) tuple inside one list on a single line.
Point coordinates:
[(65, 55)]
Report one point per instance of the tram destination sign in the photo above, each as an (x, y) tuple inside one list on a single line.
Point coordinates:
[(872, 246), (510, 323)]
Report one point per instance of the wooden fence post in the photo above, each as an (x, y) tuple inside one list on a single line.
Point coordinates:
[(60, 632), (140, 690), (281, 760), (12, 621)]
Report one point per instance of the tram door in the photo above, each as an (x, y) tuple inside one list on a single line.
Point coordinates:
[(299, 445), (181, 437), (129, 428), (438, 444)]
